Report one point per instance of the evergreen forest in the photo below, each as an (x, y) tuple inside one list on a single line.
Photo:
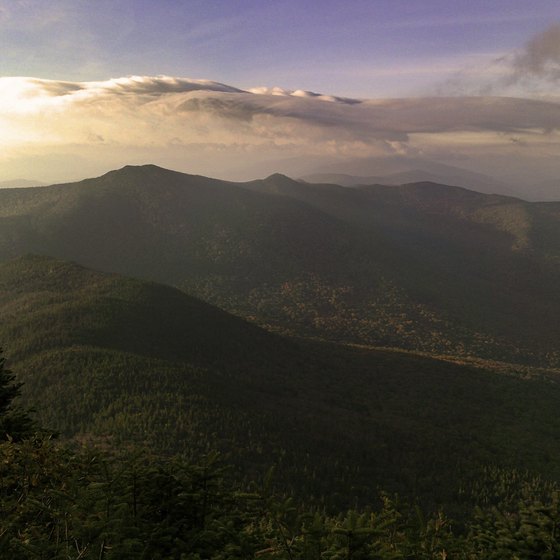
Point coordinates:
[(196, 369)]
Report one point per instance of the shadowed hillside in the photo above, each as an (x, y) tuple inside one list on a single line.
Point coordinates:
[(422, 266), (140, 362)]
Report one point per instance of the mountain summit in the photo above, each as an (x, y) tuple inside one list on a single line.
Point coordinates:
[(420, 266)]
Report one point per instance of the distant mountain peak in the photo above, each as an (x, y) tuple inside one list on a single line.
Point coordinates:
[(435, 189), (143, 171), (142, 167), (280, 177)]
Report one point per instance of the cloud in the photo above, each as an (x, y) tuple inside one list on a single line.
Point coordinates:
[(533, 71), (208, 127), (540, 57), (158, 86)]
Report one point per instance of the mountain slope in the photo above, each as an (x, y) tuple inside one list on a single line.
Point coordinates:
[(188, 224), (108, 356), (485, 262), (423, 266), (78, 306), (472, 181)]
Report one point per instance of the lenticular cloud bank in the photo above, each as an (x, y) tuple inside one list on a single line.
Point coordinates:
[(208, 127)]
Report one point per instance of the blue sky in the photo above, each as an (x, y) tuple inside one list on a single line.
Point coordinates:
[(364, 48)]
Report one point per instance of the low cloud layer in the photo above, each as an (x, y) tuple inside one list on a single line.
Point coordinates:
[(58, 130)]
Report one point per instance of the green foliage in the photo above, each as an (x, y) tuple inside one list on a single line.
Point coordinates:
[(62, 504), (531, 530), (58, 503), (84, 503), (133, 362)]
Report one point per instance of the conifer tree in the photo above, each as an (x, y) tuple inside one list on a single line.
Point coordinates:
[(15, 423)]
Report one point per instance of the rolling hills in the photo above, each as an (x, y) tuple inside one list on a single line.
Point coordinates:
[(422, 266), (105, 356)]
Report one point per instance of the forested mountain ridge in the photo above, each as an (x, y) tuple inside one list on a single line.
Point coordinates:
[(105, 356), (110, 311), (424, 267)]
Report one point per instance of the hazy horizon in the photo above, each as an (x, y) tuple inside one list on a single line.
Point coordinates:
[(242, 93)]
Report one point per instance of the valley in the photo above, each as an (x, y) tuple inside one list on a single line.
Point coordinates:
[(410, 325), (421, 267)]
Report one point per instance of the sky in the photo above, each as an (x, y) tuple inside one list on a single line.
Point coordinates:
[(208, 86)]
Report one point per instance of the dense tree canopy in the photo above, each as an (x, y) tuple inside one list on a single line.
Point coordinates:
[(62, 503)]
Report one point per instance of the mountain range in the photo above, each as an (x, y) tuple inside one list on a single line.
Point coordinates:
[(361, 339), (486, 143), (398, 170), (424, 267)]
